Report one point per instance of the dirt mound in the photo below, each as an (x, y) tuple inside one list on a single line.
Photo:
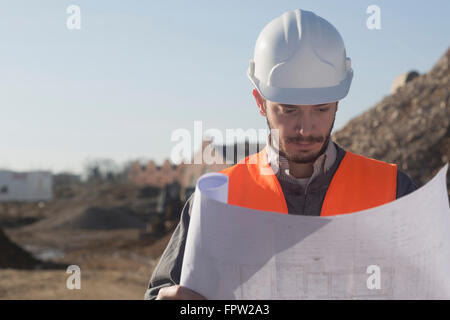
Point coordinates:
[(104, 206), (410, 127), (13, 256), (102, 218)]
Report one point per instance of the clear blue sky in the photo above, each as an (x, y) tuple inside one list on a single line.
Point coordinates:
[(137, 70)]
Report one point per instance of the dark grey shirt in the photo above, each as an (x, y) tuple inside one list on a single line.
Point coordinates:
[(300, 200)]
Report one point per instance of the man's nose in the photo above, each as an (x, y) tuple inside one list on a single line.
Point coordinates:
[(305, 124)]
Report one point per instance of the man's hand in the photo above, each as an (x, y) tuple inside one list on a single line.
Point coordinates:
[(178, 292)]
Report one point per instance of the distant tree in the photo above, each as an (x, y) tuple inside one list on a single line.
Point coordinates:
[(101, 170)]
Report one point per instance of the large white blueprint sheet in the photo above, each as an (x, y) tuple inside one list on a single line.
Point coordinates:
[(400, 250)]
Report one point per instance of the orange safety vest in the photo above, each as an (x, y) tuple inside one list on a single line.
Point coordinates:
[(359, 183)]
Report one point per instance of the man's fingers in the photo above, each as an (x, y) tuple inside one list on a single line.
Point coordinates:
[(178, 292), (167, 293)]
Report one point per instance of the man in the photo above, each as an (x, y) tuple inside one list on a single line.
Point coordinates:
[(300, 71)]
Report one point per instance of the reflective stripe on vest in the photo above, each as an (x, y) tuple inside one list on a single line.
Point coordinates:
[(359, 183)]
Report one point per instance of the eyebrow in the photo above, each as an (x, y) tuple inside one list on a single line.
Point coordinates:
[(293, 106)]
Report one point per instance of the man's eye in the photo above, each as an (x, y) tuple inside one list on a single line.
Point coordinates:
[(288, 110), (323, 110)]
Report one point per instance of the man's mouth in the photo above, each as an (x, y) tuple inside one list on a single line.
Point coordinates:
[(304, 145)]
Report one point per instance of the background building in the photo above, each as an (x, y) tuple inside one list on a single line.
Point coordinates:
[(25, 186)]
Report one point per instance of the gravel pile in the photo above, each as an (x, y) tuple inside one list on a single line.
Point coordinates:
[(409, 128)]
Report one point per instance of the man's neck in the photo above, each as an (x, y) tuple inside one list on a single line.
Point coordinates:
[(301, 170)]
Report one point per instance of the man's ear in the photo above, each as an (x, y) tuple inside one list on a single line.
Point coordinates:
[(260, 102)]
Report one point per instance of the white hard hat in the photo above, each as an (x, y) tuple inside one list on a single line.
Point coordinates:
[(300, 59)]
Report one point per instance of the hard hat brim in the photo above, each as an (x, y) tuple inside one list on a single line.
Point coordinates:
[(304, 96)]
